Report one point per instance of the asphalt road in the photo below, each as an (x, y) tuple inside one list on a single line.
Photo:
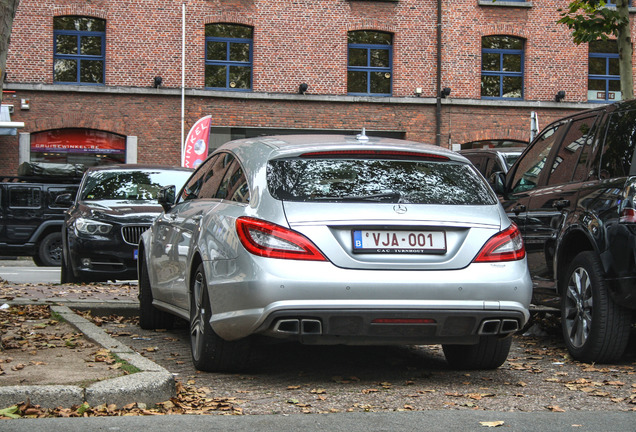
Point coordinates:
[(350, 422), (21, 273)]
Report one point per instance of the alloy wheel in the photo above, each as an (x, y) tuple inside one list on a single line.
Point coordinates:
[(578, 307), (198, 313)]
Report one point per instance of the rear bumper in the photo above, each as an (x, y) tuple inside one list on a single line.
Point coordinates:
[(390, 326), (619, 261), (623, 291), (346, 302)]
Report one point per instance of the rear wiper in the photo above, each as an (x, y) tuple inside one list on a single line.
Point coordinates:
[(386, 196)]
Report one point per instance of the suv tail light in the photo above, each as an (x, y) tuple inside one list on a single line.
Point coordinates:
[(628, 215), (506, 245), (274, 241)]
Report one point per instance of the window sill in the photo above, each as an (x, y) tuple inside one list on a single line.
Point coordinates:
[(503, 3)]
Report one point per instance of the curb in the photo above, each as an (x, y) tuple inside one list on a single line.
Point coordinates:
[(151, 385)]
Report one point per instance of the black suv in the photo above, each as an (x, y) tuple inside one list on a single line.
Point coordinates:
[(31, 220), (572, 193)]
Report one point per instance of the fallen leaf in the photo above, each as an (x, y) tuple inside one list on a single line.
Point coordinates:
[(492, 423), (555, 408)]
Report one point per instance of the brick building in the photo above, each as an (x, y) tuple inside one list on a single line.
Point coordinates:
[(101, 80)]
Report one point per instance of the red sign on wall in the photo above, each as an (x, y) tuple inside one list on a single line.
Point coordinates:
[(74, 140)]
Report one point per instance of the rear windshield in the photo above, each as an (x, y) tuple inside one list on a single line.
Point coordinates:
[(363, 180)]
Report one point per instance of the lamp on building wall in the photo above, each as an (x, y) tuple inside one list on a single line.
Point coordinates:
[(445, 92), (302, 89), (559, 96), (158, 81)]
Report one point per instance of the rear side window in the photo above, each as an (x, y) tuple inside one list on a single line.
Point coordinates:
[(25, 197), (364, 180), (618, 152), (572, 155)]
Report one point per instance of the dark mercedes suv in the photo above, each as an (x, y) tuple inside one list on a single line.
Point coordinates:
[(31, 219), (572, 193)]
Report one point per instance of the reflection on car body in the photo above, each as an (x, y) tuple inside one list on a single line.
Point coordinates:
[(265, 234)]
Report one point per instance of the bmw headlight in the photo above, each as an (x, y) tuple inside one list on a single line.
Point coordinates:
[(91, 227)]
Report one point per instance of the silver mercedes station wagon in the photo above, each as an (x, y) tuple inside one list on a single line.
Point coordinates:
[(326, 239)]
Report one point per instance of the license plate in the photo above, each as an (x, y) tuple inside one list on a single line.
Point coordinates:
[(399, 242)]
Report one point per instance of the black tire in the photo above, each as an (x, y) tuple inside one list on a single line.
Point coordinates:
[(595, 328), (490, 353), (50, 250), (150, 318), (66, 272), (210, 352)]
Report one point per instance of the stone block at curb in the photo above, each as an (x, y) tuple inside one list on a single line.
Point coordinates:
[(47, 396), (147, 387), (141, 362), (91, 331)]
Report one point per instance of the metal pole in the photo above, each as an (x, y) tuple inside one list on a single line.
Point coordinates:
[(183, 29), (438, 107)]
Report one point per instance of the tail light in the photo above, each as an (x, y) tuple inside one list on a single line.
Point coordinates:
[(274, 241), (628, 215), (506, 245)]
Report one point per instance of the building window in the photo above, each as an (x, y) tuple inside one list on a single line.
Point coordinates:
[(612, 3), (79, 50), (228, 57), (603, 81), (501, 67), (370, 61)]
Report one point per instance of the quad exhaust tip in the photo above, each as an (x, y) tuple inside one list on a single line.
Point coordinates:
[(498, 326), (299, 326)]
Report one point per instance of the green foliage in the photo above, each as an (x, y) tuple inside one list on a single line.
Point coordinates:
[(590, 20), (11, 412)]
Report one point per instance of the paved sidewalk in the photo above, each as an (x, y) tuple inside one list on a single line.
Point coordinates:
[(151, 385)]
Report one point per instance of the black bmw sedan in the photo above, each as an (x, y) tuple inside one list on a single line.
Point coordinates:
[(113, 206)]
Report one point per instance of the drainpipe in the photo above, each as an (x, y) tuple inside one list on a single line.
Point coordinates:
[(438, 108)]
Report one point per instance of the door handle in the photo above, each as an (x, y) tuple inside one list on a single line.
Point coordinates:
[(561, 204), (518, 209)]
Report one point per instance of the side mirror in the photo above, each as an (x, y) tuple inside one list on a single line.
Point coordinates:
[(498, 182), (166, 197), (63, 200)]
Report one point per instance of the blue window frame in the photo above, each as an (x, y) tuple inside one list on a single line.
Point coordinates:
[(369, 63), (79, 50), (228, 57), (613, 3), (502, 59), (603, 80)]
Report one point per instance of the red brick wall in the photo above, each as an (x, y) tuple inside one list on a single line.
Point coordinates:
[(294, 42), (303, 41), (155, 120)]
